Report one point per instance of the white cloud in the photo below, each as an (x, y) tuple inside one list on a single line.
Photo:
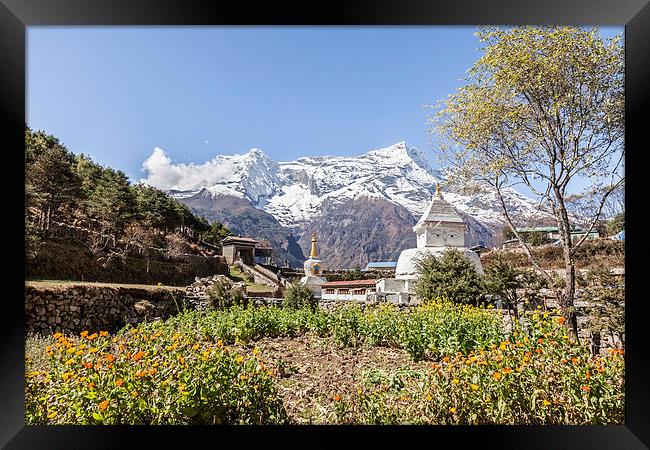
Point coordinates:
[(164, 174)]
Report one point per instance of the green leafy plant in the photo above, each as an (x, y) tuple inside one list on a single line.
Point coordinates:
[(223, 294), (299, 296), (451, 275)]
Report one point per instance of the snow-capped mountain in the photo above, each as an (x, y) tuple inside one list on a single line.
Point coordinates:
[(363, 207), (294, 192)]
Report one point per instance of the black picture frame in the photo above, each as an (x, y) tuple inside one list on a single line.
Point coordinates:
[(16, 15)]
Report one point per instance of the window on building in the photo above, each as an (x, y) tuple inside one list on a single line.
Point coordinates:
[(359, 291), (329, 291), (344, 291)]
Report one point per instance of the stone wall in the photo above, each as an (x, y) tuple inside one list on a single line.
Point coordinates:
[(74, 307)]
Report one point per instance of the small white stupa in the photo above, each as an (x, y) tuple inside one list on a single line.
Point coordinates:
[(313, 270), (440, 228)]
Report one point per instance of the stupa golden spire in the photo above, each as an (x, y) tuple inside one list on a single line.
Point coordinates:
[(438, 189), (313, 253)]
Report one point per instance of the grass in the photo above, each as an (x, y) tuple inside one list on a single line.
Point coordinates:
[(238, 276), (67, 283)]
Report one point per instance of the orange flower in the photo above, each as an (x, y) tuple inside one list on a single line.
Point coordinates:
[(91, 385), (137, 356), (587, 375), (561, 320), (445, 359), (585, 388), (119, 382), (574, 360), (540, 341), (103, 405), (538, 350), (496, 375), (141, 373), (92, 336), (337, 398), (110, 358), (56, 335), (84, 333), (507, 370), (103, 333), (88, 365)]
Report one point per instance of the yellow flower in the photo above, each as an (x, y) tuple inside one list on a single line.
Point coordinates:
[(52, 415), (195, 346), (455, 381), (474, 387), (546, 402), (103, 333), (452, 410), (503, 345), (429, 397), (496, 375), (239, 359)]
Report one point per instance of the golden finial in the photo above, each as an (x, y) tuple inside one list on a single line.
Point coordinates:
[(437, 189), (313, 245)]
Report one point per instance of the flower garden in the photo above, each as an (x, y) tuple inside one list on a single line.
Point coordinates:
[(206, 368)]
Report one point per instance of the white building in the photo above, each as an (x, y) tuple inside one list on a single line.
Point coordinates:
[(313, 269), (348, 290), (440, 228)]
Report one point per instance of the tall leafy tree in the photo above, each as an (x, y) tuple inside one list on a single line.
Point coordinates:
[(541, 108), (50, 178)]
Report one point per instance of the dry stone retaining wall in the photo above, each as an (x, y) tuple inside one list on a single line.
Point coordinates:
[(72, 308)]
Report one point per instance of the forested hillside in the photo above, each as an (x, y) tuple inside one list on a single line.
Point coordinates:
[(86, 221)]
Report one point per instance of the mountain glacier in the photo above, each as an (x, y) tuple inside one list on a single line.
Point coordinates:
[(294, 192)]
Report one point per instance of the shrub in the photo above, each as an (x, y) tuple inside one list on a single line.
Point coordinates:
[(299, 296), (224, 294), (536, 376), (516, 288), (451, 275), (606, 311), (149, 375)]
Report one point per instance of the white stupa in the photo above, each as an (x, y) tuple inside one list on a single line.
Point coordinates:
[(440, 228), (313, 269)]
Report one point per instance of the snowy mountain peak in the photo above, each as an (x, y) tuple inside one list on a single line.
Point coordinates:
[(294, 192)]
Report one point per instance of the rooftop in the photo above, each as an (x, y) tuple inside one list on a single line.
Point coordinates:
[(350, 283), (382, 264), (237, 239), (439, 210)]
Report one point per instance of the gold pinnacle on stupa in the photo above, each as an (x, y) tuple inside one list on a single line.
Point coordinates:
[(437, 189), (313, 245)]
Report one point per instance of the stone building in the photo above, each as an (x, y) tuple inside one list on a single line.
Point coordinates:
[(237, 248)]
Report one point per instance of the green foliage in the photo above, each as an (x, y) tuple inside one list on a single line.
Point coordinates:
[(149, 375), (73, 186), (50, 179), (617, 224), (299, 296), (535, 376), (541, 107), (451, 275), (32, 239), (223, 294), (216, 232), (605, 295), (517, 288)]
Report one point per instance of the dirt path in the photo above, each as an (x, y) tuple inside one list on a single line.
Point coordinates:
[(311, 371)]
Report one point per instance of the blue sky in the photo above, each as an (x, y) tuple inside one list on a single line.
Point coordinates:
[(116, 93)]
